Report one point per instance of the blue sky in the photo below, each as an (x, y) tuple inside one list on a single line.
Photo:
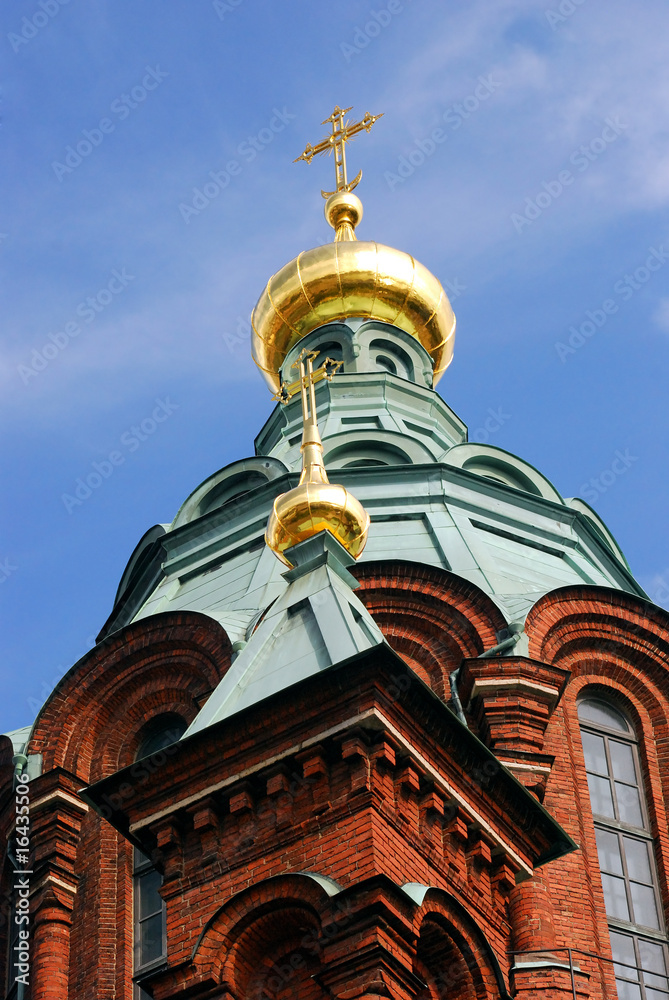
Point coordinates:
[(543, 204)]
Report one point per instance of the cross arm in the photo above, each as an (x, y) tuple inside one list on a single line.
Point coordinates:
[(324, 146)]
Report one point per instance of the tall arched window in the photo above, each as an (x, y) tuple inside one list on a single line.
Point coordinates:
[(625, 849)]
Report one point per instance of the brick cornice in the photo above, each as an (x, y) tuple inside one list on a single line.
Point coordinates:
[(445, 754)]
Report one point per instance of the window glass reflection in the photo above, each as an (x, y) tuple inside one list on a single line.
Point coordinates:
[(638, 862), (600, 713), (622, 761), (629, 805), (644, 906), (595, 754), (608, 849), (615, 897), (601, 798)]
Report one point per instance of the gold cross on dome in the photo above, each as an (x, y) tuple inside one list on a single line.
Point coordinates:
[(306, 382), (342, 132)]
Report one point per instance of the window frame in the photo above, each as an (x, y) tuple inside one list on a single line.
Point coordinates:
[(141, 865), (637, 933)]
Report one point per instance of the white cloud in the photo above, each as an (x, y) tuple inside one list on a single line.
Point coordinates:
[(558, 88)]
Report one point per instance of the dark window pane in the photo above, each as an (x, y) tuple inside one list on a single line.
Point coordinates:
[(615, 897), (600, 796), (638, 862), (151, 939), (139, 859), (150, 900), (622, 761), (629, 805), (594, 753), (166, 729), (608, 849), (643, 903), (602, 715)]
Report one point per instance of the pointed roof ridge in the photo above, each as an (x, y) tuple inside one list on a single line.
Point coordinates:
[(317, 623)]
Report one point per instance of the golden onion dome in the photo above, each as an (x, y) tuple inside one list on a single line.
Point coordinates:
[(345, 279), (342, 280), (349, 278), (313, 507)]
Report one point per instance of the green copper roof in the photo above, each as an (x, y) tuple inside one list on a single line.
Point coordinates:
[(316, 623), (434, 498)]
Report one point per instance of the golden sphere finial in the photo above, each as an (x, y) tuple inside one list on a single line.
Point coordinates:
[(348, 279), (343, 211)]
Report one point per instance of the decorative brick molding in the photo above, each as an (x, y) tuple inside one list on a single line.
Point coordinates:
[(572, 622), (512, 699), (299, 935), (90, 727), (365, 776), (56, 816), (362, 777)]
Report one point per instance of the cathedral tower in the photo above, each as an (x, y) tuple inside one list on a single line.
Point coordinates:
[(379, 714)]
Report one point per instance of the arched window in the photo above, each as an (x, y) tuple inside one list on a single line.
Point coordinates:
[(328, 349), (386, 364), (160, 732), (625, 850), (389, 357)]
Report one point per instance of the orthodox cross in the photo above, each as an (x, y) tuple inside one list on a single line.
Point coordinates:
[(306, 382), (342, 132)]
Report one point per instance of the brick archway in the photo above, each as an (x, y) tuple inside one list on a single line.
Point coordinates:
[(268, 939), (432, 618), (453, 955), (168, 662)]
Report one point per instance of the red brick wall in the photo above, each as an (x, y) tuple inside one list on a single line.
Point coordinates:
[(350, 819)]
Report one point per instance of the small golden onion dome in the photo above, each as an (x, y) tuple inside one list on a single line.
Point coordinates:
[(345, 279), (315, 504), (313, 507)]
